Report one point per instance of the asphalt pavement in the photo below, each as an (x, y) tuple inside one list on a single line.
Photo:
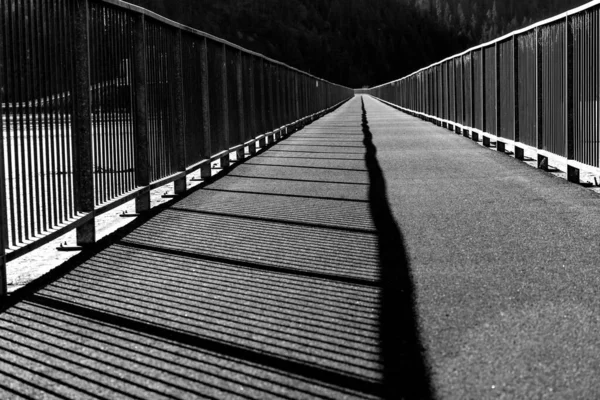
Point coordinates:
[(368, 255)]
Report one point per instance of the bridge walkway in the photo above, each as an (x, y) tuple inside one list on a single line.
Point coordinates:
[(369, 254)]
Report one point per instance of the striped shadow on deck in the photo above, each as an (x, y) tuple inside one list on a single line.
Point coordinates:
[(264, 284)]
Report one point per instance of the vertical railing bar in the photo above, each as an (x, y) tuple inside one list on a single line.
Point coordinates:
[(515, 83), (3, 100), (94, 95), (58, 123), (225, 99), (37, 134), (120, 135), (497, 93), (205, 104), (82, 127), (102, 105), (263, 109), (270, 87), (539, 84), (56, 189), (239, 76), (47, 202), (472, 90), (113, 149), (131, 99), (119, 139), (20, 131), (172, 131), (180, 185), (67, 118), (142, 167), (28, 174), (569, 88), (256, 102), (594, 131), (157, 156), (150, 106)]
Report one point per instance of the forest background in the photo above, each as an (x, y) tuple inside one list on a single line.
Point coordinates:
[(358, 42)]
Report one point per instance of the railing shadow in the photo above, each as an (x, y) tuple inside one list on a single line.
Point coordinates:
[(406, 374), (260, 295)]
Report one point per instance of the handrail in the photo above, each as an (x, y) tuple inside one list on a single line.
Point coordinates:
[(535, 89), (502, 38), (102, 100)]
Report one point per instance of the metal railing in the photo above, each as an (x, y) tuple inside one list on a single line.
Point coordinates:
[(103, 101), (537, 89)]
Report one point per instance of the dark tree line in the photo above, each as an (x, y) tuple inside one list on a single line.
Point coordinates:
[(358, 42), (483, 20)]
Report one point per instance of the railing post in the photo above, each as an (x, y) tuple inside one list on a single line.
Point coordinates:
[(205, 171), (142, 162), (497, 83), (519, 153), (252, 123), (225, 107), (572, 172), (239, 76), (263, 108), (472, 105), (3, 219), (542, 161), (81, 126), (463, 119), (180, 185), (297, 96), (483, 97)]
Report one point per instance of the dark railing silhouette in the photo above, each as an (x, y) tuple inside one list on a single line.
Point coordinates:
[(103, 101), (537, 89)]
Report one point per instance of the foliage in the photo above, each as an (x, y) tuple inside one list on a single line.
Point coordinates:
[(357, 42)]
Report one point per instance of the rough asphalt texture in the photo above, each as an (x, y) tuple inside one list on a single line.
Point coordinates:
[(370, 254)]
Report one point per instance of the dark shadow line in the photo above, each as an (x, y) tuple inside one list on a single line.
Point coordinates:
[(77, 374), (277, 221), (314, 158), (306, 166), (182, 303), (299, 196), (216, 311), (312, 152), (301, 256), (255, 291), (319, 145), (298, 180), (406, 374), (254, 266), (113, 364), (17, 394), (32, 384), (323, 139), (330, 135), (218, 326), (93, 336), (295, 368), (291, 289)]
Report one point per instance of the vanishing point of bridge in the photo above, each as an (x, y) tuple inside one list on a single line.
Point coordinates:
[(339, 245)]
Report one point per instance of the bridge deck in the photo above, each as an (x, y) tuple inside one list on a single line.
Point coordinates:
[(307, 271)]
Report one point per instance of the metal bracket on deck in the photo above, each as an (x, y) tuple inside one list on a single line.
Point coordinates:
[(65, 247), (126, 214)]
